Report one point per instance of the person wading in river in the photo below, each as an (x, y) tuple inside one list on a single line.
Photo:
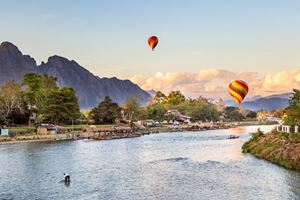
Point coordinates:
[(67, 178)]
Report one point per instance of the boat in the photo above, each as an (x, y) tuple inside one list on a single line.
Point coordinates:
[(233, 137)]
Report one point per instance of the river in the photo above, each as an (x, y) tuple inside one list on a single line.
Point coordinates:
[(185, 165)]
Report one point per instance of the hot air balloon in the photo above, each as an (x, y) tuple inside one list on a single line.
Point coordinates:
[(152, 41), (238, 89)]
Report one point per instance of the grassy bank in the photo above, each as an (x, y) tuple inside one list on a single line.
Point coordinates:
[(279, 148)]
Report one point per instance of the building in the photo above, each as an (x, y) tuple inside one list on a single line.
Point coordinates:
[(177, 116), (47, 129)]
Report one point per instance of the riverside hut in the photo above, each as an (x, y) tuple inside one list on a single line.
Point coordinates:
[(47, 129)]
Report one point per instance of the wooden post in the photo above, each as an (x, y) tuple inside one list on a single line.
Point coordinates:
[(288, 129), (296, 129)]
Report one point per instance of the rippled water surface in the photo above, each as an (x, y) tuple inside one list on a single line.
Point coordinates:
[(187, 165)]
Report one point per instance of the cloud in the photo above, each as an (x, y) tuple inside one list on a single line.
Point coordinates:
[(213, 83)]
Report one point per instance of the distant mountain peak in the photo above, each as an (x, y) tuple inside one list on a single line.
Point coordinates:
[(89, 88), (10, 48), (6, 44), (58, 59)]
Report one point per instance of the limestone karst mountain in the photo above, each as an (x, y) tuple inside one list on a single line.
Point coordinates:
[(89, 88)]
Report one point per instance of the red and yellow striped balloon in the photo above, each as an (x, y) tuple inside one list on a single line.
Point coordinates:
[(238, 89), (152, 41)]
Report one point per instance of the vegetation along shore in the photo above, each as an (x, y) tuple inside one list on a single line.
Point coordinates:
[(37, 109), (281, 146), (277, 147)]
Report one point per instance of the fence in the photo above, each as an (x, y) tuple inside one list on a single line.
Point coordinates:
[(287, 129)]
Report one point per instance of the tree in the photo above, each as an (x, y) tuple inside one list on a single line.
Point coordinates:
[(132, 107), (11, 99), (233, 114), (48, 83), (251, 114), (61, 105), (292, 116), (38, 88), (33, 93), (202, 99), (160, 97), (142, 114), (156, 111), (106, 112), (201, 110), (2, 119), (279, 113), (175, 98)]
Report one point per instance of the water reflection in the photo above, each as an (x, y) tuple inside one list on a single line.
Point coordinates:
[(191, 165), (238, 130)]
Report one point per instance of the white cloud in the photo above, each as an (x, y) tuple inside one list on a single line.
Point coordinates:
[(213, 83)]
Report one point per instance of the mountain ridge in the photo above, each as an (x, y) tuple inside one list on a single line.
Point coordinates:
[(271, 102), (89, 88)]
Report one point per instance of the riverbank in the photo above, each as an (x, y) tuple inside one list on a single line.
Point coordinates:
[(96, 133), (280, 148), (35, 138), (101, 132)]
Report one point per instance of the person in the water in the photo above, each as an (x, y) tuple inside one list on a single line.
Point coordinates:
[(67, 178)]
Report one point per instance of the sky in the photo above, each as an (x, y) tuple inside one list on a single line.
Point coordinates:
[(203, 44)]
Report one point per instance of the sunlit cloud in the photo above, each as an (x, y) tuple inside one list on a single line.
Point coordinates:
[(213, 83)]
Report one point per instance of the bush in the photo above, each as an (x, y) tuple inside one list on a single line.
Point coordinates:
[(257, 134), (2, 119), (22, 130)]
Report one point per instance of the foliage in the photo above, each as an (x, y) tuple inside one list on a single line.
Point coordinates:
[(156, 111), (141, 114), (33, 94), (61, 105), (200, 109), (10, 97), (38, 88), (279, 148), (175, 98), (160, 98), (251, 114), (132, 107), (292, 115), (106, 112), (50, 103), (233, 114), (22, 130), (11, 101), (279, 113), (2, 119)]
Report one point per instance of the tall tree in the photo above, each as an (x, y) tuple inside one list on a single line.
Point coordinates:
[(33, 94), (132, 107), (292, 116), (61, 105), (106, 112), (11, 98), (200, 110), (38, 89), (175, 98), (159, 97), (233, 114), (156, 111)]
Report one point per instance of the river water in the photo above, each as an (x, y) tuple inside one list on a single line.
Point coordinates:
[(186, 165)]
